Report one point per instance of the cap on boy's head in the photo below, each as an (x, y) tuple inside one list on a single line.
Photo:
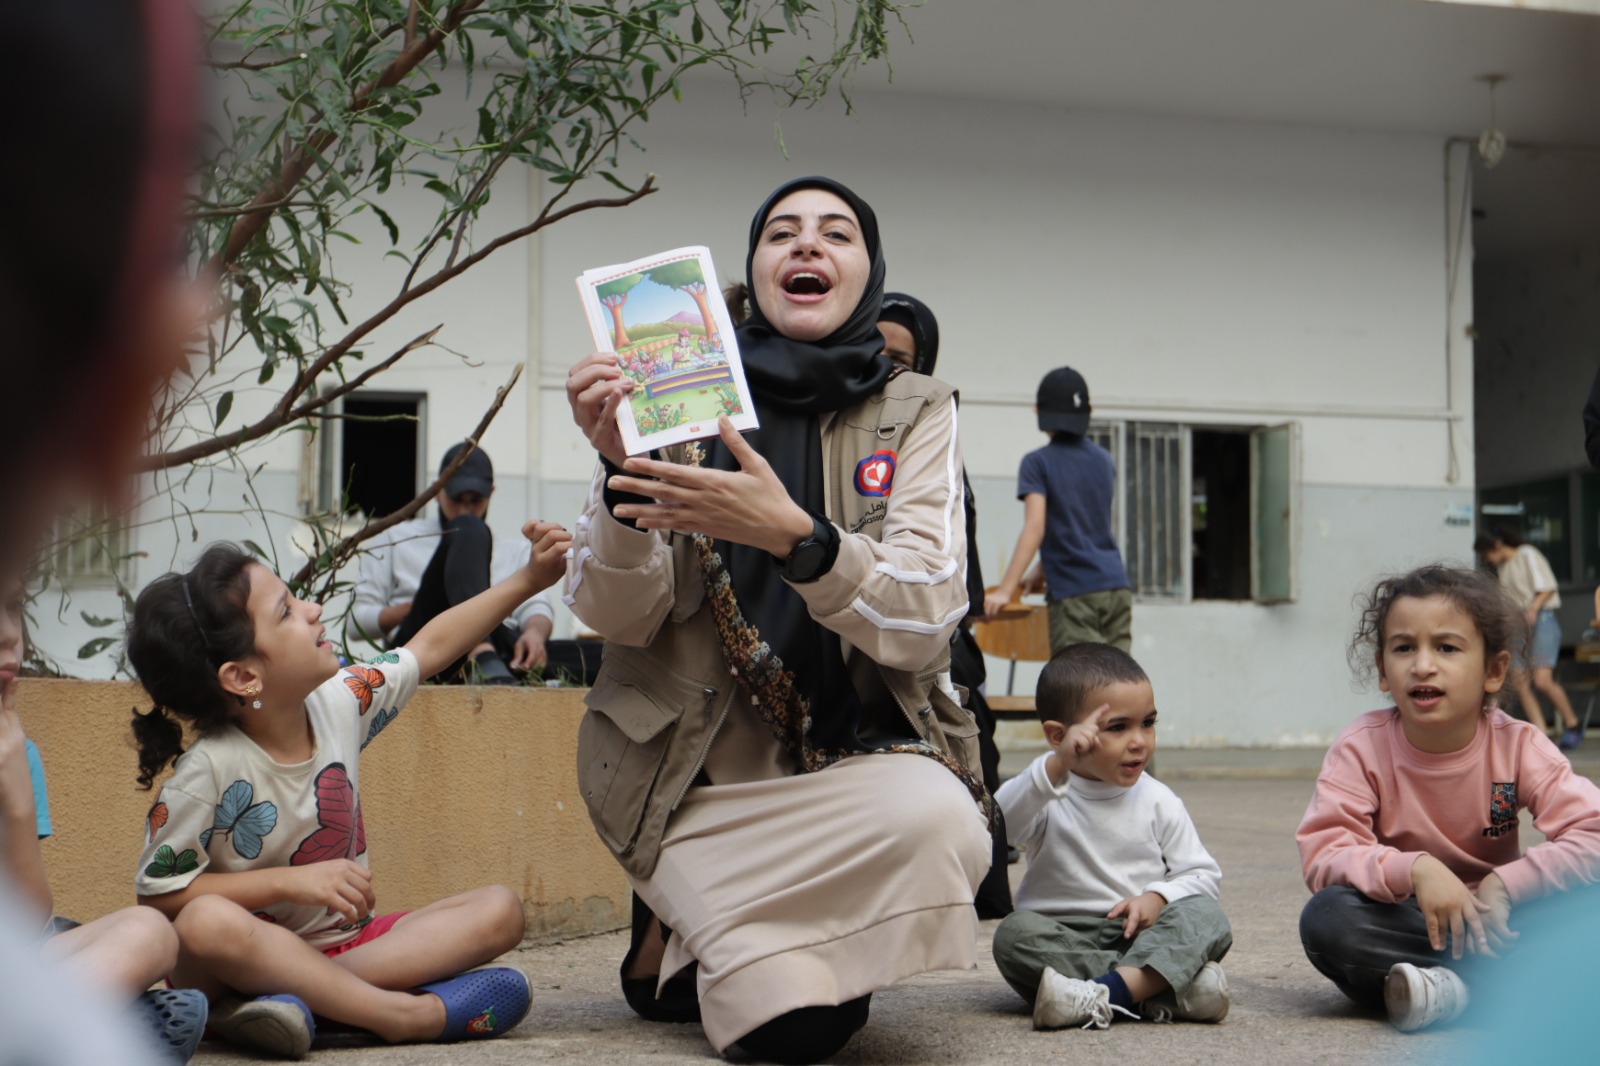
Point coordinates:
[(1063, 402), (1075, 673), (475, 475)]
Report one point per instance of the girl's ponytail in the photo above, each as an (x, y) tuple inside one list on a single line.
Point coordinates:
[(160, 740), (185, 627)]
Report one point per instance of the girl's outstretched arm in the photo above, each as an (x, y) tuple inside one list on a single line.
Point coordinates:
[(455, 632)]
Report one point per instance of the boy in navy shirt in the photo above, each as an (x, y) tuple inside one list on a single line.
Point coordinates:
[(1066, 489)]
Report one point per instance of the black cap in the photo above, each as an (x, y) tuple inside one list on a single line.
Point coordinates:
[(475, 475), (1064, 402)]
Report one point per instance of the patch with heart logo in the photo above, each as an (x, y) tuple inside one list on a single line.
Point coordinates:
[(875, 474)]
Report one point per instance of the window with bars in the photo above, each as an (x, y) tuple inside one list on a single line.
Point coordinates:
[(1205, 512), (92, 548)]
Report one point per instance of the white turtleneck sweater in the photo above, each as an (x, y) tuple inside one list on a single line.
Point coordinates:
[(1091, 844)]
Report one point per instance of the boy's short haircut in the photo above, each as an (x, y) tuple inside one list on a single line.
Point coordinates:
[(1076, 671)]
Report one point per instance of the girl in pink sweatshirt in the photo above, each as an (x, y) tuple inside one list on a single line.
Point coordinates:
[(1410, 842)]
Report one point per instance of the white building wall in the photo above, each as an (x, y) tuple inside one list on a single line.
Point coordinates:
[(1195, 271)]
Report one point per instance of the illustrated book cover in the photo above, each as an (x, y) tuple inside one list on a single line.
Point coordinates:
[(665, 318)]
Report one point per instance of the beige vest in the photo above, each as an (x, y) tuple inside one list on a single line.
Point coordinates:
[(654, 712)]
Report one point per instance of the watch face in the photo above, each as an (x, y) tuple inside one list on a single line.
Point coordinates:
[(806, 560)]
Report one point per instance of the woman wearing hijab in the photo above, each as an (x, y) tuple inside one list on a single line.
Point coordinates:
[(772, 750), (911, 339)]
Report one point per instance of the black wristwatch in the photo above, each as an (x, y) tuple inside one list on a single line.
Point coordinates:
[(815, 555)]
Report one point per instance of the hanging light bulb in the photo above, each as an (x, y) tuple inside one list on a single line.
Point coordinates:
[(1492, 142)]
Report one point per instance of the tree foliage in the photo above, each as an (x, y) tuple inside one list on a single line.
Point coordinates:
[(328, 106)]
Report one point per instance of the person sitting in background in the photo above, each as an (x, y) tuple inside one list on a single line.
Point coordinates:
[(911, 339), (124, 952), (417, 570)]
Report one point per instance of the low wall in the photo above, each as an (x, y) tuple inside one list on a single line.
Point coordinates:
[(472, 786)]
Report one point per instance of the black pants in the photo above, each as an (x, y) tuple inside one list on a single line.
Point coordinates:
[(993, 898), (458, 571)]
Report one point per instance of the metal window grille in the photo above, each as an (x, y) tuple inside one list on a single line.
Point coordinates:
[(1157, 494), (91, 547)]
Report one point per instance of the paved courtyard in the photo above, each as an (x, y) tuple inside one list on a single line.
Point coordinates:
[(1246, 806)]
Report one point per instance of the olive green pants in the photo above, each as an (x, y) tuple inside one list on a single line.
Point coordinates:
[(1189, 933), (1093, 618)]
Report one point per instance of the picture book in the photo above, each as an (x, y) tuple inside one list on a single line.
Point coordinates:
[(664, 317)]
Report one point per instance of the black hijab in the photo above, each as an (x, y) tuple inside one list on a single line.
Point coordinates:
[(913, 314), (793, 382)]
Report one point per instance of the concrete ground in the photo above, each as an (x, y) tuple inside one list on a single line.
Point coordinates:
[(1246, 804)]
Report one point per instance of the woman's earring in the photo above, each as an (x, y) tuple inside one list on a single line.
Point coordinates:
[(254, 691)]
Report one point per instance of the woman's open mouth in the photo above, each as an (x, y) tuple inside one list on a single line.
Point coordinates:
[(806, 286)]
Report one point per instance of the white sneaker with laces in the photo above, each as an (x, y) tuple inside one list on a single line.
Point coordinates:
[(1064, 1001), (1204, 1000), (1420, 996)]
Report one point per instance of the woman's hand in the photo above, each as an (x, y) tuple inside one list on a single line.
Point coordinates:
[(745, 506), (343, 886), (595, 389), (1449, 907)]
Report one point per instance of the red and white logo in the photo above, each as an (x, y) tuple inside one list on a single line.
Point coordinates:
[(875, 474)]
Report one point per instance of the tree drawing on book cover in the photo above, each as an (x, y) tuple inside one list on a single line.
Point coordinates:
[(340, 833), (668, 341)]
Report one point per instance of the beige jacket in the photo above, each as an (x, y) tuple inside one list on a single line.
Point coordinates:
[(664, 696)]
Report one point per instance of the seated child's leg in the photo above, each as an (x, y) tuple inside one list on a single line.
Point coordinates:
[(224, 947), (124, 952), (1190, 932), (1353, 941), (440, 939), (1076, 946)]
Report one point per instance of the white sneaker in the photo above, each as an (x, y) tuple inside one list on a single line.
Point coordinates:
[(1420, 996), (280, 1026), (1204, 1000), (1064, 1001)]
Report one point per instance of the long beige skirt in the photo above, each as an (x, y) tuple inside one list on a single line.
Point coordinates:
[(815, 889)]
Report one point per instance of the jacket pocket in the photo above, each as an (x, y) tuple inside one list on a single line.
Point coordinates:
[(622, 744), (953, 729)]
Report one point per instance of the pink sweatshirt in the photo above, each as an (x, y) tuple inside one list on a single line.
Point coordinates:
[(1380, 803)]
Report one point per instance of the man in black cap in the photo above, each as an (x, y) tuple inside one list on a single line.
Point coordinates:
[(418, 569), (1066, 489)]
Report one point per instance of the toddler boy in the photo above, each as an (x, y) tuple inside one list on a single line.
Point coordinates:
[(1117, 909)]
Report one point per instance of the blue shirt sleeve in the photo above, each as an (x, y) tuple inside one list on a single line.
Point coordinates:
[(41, 801), (1031, 476)]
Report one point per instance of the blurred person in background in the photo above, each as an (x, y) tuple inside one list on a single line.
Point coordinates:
[(97, 317)]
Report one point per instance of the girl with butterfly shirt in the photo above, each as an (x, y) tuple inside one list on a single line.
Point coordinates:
[(255, 846)]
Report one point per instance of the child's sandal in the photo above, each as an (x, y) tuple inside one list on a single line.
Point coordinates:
[(176, 1018), (480, 1004)]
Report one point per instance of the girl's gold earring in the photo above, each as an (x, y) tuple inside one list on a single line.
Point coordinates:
[(255, 703)]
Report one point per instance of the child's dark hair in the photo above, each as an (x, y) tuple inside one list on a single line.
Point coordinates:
[(184, 627), (1476, 593), (1076, 671)]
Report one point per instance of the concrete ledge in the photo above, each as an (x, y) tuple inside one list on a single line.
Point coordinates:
[(472, 786)]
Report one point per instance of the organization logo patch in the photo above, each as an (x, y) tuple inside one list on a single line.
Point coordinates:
[(875, 473), (1502, 802)]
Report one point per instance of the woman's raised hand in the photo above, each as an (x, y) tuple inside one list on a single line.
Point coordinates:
[(595, 389), (745, 506)]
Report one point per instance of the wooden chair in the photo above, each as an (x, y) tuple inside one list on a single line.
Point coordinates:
[(1019, 633)]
